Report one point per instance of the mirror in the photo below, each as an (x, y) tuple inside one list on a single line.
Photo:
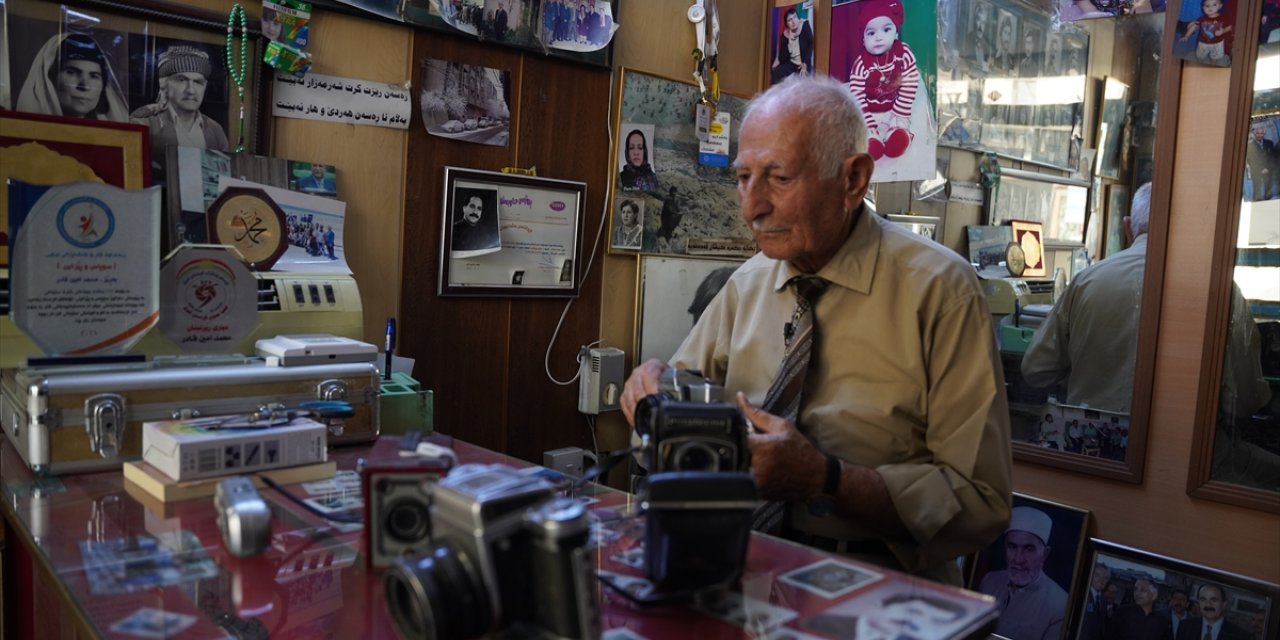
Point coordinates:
[(1240, 436), (1080, 401)]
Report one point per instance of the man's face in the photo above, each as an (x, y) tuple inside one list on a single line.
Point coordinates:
[(79, 87), (1259, 134), (1024, 553), (794, 212), (1211, 604), (1028, 45), (903, 619), (635, 149), (185, 91), (1144, 594), (1178, 602), (879, 35), (472, 210), (1112, 593), (317, 171), (793, 21)]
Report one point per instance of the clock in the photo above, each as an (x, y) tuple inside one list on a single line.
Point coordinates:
[(1015, 260)]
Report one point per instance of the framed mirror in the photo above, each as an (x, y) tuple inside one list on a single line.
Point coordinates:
[(1088, 412), (1236, 437)]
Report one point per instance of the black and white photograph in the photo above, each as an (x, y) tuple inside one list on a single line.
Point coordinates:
[(988, 248), (895, 610), (466, 102), (1030, 568), (830, 578), (61, 73), (1111, 121), (1134, 594), (1007, 45), (180, 90), (979, 43), (673, 293), (628, 224), (475, 223)]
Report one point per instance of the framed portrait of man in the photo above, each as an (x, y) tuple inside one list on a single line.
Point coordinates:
[(1031, 567)]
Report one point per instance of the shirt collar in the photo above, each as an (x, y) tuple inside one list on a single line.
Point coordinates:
[(854, 265)]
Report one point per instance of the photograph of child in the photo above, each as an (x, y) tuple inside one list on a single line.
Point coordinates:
[(884, 73), (1205, 32)]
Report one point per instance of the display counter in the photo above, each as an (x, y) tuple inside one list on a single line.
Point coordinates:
[(87, 556)]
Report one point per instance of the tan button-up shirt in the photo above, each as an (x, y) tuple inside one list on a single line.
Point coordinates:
[(907, 381)]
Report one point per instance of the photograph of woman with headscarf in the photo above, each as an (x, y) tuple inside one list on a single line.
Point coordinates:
[(71, 76), (636, 158)]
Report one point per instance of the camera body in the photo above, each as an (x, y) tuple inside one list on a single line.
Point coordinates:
[(505, 552), (690, 427), (698, 528), (243, 517), (397, 508)]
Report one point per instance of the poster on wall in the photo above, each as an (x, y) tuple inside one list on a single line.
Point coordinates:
[(791, 42), (888, 56), (1069, 10)]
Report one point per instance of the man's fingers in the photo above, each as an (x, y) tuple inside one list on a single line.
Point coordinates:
[(760, 421)]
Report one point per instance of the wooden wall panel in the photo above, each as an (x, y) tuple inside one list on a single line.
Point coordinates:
[(483, 357)]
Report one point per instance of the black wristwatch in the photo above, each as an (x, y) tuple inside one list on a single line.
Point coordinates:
[(824, 503)]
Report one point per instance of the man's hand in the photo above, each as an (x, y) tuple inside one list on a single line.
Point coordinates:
[(643, 382), (786, 465)]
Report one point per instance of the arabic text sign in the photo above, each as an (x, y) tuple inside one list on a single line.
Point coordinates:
[(335, 99)]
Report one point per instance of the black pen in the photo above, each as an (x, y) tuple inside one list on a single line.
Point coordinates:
[(390, 347)]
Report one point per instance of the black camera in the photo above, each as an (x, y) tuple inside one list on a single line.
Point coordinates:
[(698, 527), (397, 508), (690, 427), (505, 553)]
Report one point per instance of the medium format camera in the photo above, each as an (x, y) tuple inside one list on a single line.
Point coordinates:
[(243, 517), (397, 508), (698, 526), (690, 427), (505, 553)]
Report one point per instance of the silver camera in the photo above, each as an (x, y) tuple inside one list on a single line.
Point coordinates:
[(243, 517), (505, 553), (690, 427)]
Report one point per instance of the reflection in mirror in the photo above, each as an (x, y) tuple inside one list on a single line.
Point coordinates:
[(1246, 443), (1070, 352)]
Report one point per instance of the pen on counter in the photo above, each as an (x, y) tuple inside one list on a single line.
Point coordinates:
[(390, 347)]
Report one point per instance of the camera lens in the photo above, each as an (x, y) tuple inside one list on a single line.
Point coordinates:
[(437, 595), (406, 520), (696, 456)]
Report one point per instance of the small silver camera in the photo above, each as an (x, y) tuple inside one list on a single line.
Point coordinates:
[(243, 517)]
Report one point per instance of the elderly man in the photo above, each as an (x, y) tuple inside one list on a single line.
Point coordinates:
[(891, 442), (1140, 620), (1032, 605), (175, 117)]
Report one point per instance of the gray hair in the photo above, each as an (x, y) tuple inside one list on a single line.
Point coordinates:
[(838, 130), (1140, 211)]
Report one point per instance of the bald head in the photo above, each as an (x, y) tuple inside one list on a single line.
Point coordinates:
[(824, 110)]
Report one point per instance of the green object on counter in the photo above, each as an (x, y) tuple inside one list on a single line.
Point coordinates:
[(405, 406), (1015, 339)]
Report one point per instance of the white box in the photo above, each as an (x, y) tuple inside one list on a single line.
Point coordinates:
[(315, 348), (188, 449)]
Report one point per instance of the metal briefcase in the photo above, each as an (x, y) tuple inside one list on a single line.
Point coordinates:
[(67, 419)]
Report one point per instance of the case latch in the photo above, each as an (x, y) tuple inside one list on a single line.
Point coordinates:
[(333, 389), (104, 422)]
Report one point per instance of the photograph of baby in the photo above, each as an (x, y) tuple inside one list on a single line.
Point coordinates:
[(884, 52)]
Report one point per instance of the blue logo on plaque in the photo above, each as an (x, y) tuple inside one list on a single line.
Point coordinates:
[(86, 222)]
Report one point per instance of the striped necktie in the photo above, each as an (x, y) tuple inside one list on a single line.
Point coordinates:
[(783, 398)]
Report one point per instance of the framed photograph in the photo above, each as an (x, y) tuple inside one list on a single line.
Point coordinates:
[(628, 224), (1030, 569), (989, 249), (1115, 104), (509, 235), (162, 65), (50, 150), (674, 291), (1117, 209), (1119, 586), (690, 208)]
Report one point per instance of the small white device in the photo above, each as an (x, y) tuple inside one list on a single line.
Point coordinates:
[(314, 348), (600, 381)]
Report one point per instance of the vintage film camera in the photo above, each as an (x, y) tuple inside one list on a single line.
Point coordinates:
[(690, 427), (506, 553), (397, 505)]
